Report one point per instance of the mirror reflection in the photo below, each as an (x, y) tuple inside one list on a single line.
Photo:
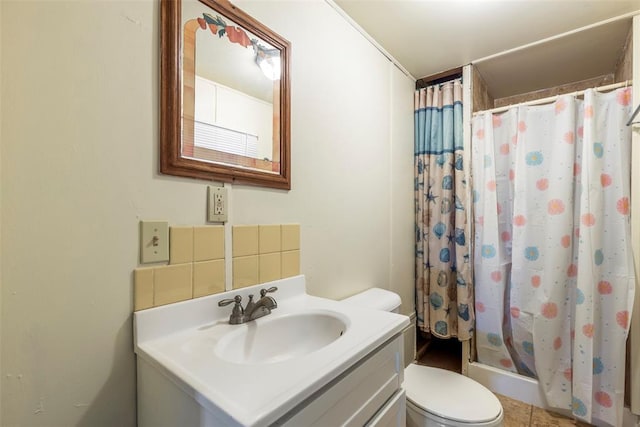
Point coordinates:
[(228, 112), (224, 95)]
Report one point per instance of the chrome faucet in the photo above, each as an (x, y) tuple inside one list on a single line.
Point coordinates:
[(253, 310)]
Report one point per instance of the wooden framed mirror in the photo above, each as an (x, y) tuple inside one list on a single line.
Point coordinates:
[(224, 95)]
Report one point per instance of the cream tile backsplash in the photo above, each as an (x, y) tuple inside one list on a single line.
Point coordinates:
[(172, 283), (180, 245), (208, 243), (208, 277), (278, 249), (260, 253), (143, 279), (269, 267), (245, 271), (269, 239), (290, 263), (245, 240), (290, 237)]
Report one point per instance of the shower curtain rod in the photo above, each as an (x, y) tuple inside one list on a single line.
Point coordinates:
[(553, 98)]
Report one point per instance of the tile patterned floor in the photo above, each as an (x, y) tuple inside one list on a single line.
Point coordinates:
[(447, 354), (520, 414)]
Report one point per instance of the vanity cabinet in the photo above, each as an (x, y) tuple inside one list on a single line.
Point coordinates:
[(311, 362), (367, 394)]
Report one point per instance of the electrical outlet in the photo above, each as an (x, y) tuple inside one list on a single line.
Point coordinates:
[(217, 204), (154, 241)]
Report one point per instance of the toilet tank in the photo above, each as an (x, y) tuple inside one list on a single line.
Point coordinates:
[(376, 298)]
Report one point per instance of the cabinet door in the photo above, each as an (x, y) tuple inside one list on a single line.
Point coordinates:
[(393, 414), (356, 396)]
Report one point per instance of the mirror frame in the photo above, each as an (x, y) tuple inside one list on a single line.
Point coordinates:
[(171, 88)]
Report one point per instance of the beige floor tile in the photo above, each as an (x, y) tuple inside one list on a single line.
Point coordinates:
[(542, 418), (516, 413)]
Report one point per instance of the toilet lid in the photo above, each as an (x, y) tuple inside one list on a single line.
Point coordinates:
[(450, 395)]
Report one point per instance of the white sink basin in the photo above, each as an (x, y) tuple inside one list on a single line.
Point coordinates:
[(192, 345), (281, 338)]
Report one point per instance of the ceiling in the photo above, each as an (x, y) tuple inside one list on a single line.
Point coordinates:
[(430, 36)]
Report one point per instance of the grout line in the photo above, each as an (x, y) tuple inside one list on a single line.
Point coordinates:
[(530, 415)]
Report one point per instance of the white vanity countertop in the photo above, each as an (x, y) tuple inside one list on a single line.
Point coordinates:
[(254, 394)]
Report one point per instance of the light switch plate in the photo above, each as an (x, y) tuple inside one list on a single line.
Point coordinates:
[(217, 204), (154, 241)]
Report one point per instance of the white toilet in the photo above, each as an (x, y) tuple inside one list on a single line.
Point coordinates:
[(437, 397)]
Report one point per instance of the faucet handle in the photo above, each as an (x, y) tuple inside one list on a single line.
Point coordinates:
[(263, 292), (237, 313), (228, 301)]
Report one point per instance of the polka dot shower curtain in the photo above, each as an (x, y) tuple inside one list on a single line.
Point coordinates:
[(444, 296), (553, 266)]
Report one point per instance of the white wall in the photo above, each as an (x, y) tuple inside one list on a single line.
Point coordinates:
[(79, 155), (342, 156)]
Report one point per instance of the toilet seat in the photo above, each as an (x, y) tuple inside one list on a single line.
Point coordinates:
[(417, 417), (450, 397)]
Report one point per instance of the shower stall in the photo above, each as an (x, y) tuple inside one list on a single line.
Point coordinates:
[(548, 282)]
